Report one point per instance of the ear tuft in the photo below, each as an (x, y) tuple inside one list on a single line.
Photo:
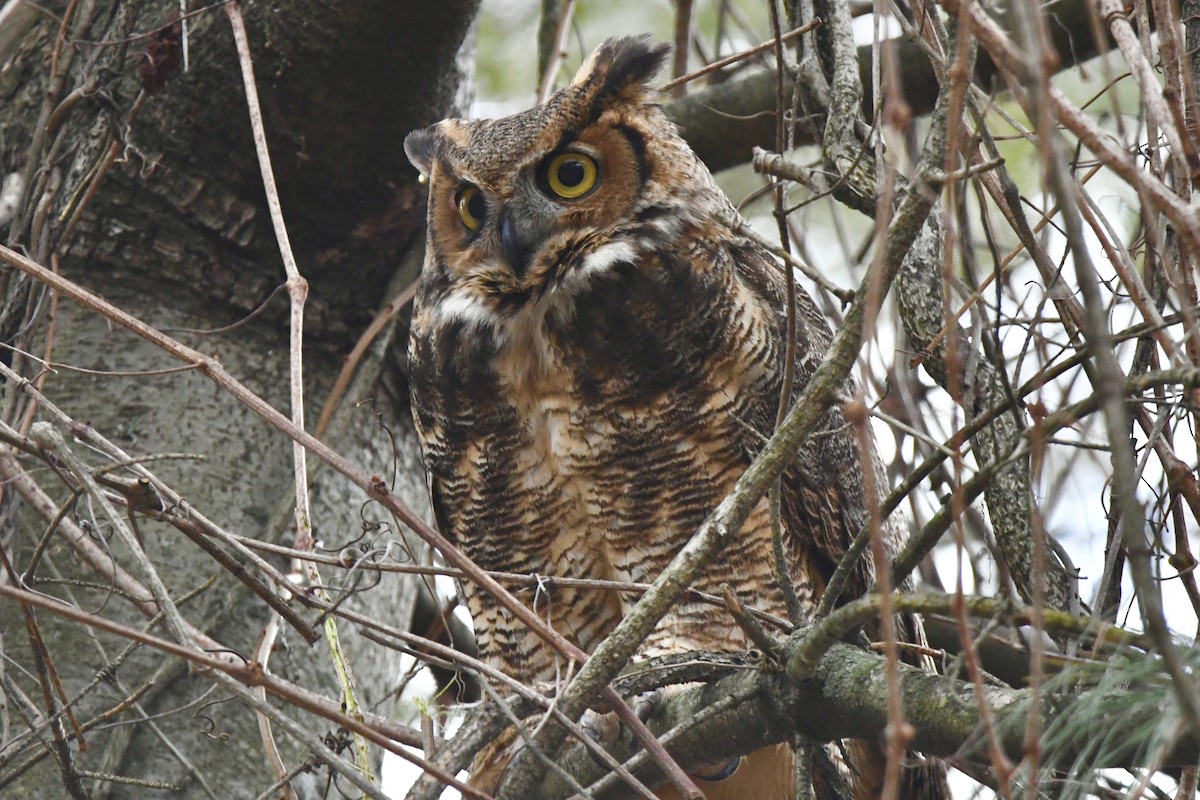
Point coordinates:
[(420, 146), (621, 68)]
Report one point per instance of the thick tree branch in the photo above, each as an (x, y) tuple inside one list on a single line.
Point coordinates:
[(725, 122), (977, 384), (842, 693)]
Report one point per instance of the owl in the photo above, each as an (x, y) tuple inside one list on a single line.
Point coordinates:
[(595, 358)]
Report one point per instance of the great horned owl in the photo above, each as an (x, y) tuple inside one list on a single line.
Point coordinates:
[(596, 357)]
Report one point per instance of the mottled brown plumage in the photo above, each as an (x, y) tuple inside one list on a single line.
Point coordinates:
[(596, 358)]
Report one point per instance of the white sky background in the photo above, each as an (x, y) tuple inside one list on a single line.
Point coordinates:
[(505, 82)]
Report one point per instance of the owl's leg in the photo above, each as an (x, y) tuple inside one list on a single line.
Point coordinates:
[(604, 728), (650, 703), (766, 774)]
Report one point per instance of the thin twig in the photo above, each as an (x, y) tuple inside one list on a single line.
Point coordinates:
[(559, 51), (297, 292), (742, 56), (682, 37), (262, 655), (354, 358)]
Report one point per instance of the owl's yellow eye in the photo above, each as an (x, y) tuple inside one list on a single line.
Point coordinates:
[(472, 208), (571, 175)]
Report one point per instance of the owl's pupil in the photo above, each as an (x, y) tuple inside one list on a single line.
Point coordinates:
[(571, 173), (476, 206)]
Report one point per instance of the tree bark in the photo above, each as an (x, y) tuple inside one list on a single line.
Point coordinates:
[(177, 233)]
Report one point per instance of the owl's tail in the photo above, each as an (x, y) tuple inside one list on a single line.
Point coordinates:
[(925, 780)]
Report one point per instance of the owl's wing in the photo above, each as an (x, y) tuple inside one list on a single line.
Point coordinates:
[(437, 503), (824, 497)]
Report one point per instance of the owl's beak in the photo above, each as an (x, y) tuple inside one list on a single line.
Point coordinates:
[(517, 241)]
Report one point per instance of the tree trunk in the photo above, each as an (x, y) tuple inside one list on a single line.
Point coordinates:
[(177, 233)]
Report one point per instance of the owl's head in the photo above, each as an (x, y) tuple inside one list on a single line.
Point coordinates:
[(548, 200)]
